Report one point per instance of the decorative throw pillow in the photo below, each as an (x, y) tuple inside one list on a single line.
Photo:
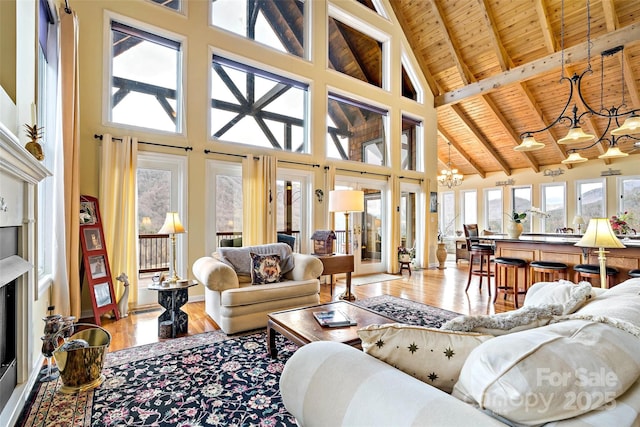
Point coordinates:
[(545, 374), (505, 323), (430, 355), (564, 292), (265, 268)]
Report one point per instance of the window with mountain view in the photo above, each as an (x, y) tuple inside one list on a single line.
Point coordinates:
[(591, 201), (493, 209), (409, 147), (554, 203), (629, 188), (521, 199), (145, 82), (257, 107), (277, 24)]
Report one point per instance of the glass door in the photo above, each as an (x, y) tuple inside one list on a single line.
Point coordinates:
[(369, 231)]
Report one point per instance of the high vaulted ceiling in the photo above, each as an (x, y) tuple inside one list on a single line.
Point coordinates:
[(494, 67)]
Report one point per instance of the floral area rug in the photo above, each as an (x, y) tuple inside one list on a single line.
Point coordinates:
[(208, 379)]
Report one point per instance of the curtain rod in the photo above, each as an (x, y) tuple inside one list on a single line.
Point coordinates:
[(66, 7), (409, 177), (365, 173), (315, 165), (98, 136), (227, 154)]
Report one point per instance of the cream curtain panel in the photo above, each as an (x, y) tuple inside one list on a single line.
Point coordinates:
[(118, 208), (394, 223), (329, 185), (67, 296), (259, 200)]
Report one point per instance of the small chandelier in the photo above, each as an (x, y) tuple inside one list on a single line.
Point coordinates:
[(450, 177), (614, 115)]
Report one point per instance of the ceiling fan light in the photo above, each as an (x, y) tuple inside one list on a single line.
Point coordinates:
[(574, 158), (529, 143), (613, 153), (630, 126), (575, 136)]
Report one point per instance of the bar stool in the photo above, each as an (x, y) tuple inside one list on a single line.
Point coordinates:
[(503, 265), (592, 271), (634, 273), (548, 270), (477, 249)]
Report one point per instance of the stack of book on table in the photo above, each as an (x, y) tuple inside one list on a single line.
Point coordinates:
[(333, 319)]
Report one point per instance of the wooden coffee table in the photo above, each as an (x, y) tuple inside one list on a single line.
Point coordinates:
[(299, 325)]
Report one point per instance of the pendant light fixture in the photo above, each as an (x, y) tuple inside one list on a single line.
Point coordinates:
[(450, 177)]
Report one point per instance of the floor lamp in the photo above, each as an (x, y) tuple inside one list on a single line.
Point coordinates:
[(600, 235), (346, 201), (172, 226)]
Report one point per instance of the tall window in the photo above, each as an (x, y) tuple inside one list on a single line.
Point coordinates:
[(493, 209), (145, 82), (277, 24), (592, 199), (629, 190), (356, 131), (554, 203), (521, 199), (256, 107), (447, 213), (161, 188), (170, 4), (408, 215), (293, 201), (225, 204), (46, 118), (469, 206), (411, 130)]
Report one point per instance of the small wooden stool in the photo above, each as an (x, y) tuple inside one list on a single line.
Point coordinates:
[(503, 265), (548, 270), (592, 271), (405, 266)]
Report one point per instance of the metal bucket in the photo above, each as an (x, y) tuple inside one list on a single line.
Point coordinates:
[(81, 368)]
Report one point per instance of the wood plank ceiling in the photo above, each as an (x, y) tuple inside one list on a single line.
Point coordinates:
[(494, 67)]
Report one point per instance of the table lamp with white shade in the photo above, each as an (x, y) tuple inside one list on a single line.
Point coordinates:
[(600, 235), (172, 226), (346, 201), (579, 221)]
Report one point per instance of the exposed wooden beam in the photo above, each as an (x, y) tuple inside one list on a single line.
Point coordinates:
[(625, 36), (462, 68), (471, 127), (515, 137), (503, 58), (545, 26), (612, 23), (448, 139)]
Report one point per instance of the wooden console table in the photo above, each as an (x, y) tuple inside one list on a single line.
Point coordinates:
[(335, 264)]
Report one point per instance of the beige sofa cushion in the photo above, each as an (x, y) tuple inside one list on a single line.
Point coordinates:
[(621, 302), (430, 355), (559, 371)]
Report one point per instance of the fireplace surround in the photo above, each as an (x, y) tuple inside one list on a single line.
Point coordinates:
[(20, 174)]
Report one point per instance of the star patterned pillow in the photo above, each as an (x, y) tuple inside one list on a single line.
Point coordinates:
[(430, 355), (265, 269)]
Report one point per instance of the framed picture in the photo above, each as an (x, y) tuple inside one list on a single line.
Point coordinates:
[(93, 239), (102, 294), (433, 202), (97, 266), (87, 213)]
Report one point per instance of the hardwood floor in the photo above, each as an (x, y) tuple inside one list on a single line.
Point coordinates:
[(439, 288)]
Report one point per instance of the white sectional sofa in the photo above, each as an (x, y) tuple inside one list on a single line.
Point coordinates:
[(572, 362), (236, 304)]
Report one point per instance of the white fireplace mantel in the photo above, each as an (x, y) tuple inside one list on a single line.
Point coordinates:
[(20, 173)]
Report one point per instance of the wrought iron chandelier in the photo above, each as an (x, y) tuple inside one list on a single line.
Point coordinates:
[(450, 177), (614, 115)]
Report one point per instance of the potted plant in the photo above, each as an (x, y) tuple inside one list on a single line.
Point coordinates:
[(404, 254)]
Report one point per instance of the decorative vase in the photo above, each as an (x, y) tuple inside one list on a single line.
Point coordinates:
[(514, 229), (441, 255)]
